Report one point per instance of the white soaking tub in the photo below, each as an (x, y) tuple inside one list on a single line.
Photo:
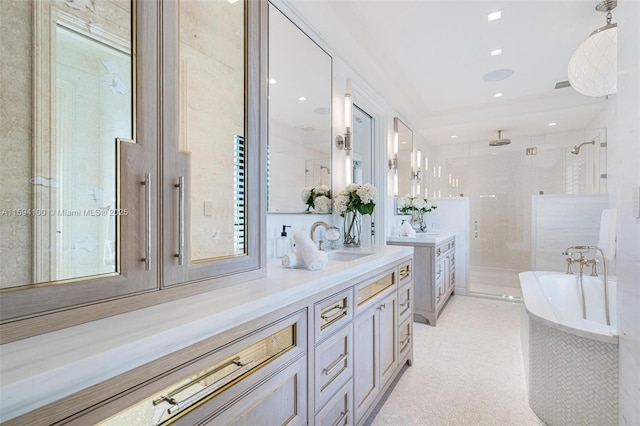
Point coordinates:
[(571, 363)]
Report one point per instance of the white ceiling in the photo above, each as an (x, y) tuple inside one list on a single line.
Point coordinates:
[(427, 59)]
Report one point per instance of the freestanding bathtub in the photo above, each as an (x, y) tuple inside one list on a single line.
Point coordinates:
[(571, 363)]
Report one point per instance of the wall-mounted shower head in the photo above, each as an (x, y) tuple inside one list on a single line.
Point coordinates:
[(576, 148)]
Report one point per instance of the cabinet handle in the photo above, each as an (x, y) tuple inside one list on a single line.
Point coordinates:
[(189, 401), (438, 251), (405, 303), (335, 364), (475, 229), (406, 340), (147, 214), (341, 310), (340, 420), (180, 185), (382, 306)]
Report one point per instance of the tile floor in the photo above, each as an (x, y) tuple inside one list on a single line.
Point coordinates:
[(466, 371)]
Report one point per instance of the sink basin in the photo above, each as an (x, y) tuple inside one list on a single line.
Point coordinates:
[(346, 256)]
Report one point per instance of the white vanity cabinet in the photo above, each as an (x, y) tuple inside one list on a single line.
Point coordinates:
[(296, 347), (434, 273)]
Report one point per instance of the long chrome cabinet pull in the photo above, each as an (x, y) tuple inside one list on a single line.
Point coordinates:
[(340, 421), (147, 215), (189, 401), (475, 228), (180, 185), (335, 364)]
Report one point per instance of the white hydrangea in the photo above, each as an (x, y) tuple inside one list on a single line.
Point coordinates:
[(322, 204), (404, 202), (352, 187), (340, 202), (321, 190), (367, 193), (306, 192), (420, 203)]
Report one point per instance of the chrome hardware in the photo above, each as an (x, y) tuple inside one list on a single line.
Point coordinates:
[(583, 261), (569, 266), (475, 227), (313, 230), (406, 302), (341, 310), (147, 214), (382, 306), (180, 185), (406, 340), (335, 364), (343, 415), (189, 401)]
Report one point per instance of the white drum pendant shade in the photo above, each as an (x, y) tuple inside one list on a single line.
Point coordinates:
[(593, 69)]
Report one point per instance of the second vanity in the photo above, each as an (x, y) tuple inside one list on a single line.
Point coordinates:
[(296, 347), (434, 272)]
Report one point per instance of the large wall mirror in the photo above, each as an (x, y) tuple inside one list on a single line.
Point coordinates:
[(404, 136), (299, 154), (70, 86)]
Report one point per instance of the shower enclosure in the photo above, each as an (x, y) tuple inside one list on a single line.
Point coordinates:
[(499, 182)]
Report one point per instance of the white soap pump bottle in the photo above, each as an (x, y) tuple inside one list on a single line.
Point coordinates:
[(283, 242)]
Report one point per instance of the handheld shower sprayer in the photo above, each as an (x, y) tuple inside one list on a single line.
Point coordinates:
[(576, 148)]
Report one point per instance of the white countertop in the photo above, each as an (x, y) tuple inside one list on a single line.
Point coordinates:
[(427, 238), (42, 369)]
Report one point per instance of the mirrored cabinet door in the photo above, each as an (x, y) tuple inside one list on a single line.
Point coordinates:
[(212, 148), (76, 222)]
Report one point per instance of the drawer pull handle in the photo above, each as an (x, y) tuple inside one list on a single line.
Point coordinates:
[(335, 364), (382, 306), (405, 303), (189, 401), (406, 340), (340, 421), (328, 317), (404, 272)]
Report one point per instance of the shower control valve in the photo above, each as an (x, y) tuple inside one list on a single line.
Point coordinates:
[(569, 266)]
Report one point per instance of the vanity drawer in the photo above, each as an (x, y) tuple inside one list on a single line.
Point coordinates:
[(213, 380), (368, 292), (405, 302), (339, 409), (332, 313), (444, 248), (405, 273), (333, 364), (405, 336)]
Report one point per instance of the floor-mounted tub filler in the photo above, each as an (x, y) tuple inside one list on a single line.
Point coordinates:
[(571, 362)]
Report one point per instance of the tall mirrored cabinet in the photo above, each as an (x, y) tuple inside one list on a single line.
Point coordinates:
[(134, 151)]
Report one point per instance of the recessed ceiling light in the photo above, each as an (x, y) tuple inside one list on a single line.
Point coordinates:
[(454, 136), (493, 16), (552, 124), (302, 98), (272, 81), (496, 52), (497, 95)]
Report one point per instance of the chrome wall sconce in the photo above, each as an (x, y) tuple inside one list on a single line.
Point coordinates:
[(344, 142), (393, 162)]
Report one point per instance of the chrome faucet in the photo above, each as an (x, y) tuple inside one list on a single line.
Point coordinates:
[(313, 231), (583, 261)]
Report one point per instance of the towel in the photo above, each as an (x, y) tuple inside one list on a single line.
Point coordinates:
[(607, 240), (407, 230), (291, 260), (312, 257)]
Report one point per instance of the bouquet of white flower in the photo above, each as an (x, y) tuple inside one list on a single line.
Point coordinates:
[(351, 204), (409, 205), (317, 199)]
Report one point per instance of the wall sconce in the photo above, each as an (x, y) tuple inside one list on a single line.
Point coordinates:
[(416, 170), (393, 162), (345, 142)]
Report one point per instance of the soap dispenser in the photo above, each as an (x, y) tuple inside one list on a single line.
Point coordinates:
[(283, 242)]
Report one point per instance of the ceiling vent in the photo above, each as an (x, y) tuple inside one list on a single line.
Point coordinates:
[(562, 84)]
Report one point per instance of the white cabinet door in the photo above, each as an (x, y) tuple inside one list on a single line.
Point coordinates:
[(365, 372), (388, 327)]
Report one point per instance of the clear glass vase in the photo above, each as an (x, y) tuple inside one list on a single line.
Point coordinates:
[(352, 229)]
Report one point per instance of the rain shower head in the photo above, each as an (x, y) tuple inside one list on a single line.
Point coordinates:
[(499, 141), (576, 148)]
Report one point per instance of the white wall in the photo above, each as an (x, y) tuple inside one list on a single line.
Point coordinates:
[(624, 179)]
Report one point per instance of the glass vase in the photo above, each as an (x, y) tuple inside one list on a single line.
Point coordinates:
[(352, 229), (415, 221)]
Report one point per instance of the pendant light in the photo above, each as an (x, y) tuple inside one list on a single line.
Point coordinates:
[(593, 67)]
